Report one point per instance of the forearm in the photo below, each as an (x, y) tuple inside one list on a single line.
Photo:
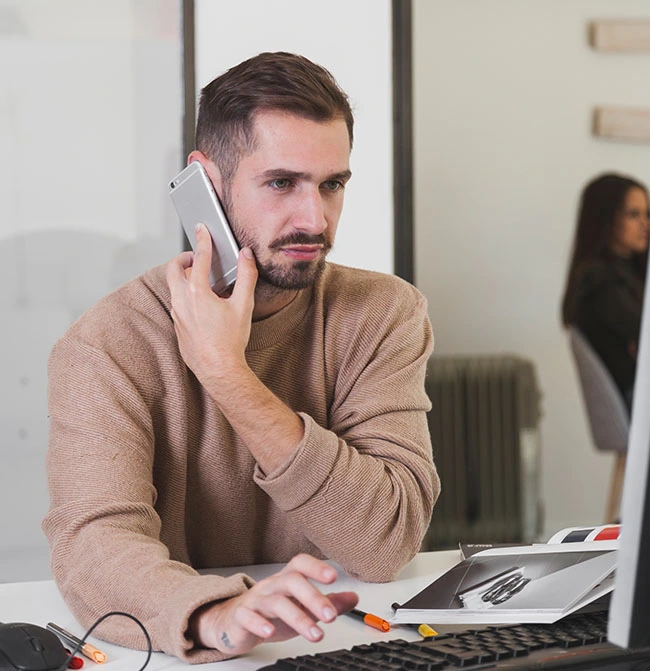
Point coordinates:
[(109, 550), (377, 494), (268, 427), (100, 567), (362, 483), (366, 504)]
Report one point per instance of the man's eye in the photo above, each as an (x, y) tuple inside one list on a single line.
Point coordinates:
[(280, 183), (333, 185)]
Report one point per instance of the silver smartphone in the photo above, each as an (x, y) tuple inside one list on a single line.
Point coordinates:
[(196, 202)]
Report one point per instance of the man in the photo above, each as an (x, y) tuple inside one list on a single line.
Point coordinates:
[(283, 423)]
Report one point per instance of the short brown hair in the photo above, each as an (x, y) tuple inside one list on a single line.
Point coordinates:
[(268, 81)]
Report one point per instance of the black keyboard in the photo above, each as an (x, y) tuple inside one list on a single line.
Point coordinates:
[(576, 642)]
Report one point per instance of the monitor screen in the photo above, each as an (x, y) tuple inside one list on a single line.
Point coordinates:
[(629, 613)]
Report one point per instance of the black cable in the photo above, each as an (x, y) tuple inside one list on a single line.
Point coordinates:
[(64, 666)]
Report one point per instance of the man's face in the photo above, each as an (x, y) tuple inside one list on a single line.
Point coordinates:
[(286, 197)]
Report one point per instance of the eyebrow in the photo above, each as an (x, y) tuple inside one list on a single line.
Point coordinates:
[(283, 173)]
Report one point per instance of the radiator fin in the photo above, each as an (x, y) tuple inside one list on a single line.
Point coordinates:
[(484, 427)]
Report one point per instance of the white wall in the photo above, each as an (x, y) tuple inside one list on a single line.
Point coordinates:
[(90, 132), (353, 41), (503, 96)]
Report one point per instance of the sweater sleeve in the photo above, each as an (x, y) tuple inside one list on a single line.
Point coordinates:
[(102, 516), (371, 469)]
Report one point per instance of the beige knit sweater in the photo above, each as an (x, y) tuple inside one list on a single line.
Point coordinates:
[(148, 482)]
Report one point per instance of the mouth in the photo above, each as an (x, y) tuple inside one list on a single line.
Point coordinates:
[(302, 252)]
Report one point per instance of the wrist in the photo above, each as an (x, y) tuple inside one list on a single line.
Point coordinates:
[(202, 626)]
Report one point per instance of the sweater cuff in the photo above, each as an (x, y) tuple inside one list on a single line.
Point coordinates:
[(196, 592), (310, 465)]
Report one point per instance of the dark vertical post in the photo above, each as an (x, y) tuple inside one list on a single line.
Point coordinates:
[(403, 140), (189, 78), (189, 87)]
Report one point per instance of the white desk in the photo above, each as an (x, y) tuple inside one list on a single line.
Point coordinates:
[(40, 603)]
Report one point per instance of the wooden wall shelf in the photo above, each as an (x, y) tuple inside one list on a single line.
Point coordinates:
[(622, 123), (620, 34)]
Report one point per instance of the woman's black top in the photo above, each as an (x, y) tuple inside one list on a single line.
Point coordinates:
[(609, 301)]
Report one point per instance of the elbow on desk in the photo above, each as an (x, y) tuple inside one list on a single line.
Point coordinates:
[(386, 562), (379, 553), (382, 576), (378, 573), (381, 567)]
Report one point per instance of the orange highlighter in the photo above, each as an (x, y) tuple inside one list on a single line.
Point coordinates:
[(86, 649), (370, 619)]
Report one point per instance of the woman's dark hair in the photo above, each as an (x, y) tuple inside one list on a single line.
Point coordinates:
[(268, 81), (602, 201)]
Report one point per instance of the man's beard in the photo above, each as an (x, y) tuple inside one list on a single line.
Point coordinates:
[(273, 277), (297, 274)]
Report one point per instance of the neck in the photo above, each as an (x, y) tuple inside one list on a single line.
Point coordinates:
[(269, 300), (620, 251)]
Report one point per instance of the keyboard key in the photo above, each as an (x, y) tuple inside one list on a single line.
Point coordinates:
[(287, 665), (502, 653), (364, 648)]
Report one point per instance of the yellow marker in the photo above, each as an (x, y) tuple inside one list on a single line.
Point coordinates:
[(425, 631)]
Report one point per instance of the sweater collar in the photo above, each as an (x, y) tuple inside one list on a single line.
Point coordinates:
[(277, 327)]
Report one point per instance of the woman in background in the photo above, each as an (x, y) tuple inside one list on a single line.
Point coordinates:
[(604, 290)]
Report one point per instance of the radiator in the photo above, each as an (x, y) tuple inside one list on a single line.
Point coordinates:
[(484, 427)]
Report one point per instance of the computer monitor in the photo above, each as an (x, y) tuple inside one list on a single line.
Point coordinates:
[(629, 612)]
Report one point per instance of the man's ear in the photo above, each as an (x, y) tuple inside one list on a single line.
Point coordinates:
[(210, 167)]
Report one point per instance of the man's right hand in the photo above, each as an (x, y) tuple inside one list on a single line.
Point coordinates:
[(212, 331), (284, 605)]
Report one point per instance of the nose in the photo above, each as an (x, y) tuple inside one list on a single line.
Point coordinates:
[(309, 212)]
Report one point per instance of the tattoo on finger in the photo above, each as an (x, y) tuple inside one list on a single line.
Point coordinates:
[(226, 641)]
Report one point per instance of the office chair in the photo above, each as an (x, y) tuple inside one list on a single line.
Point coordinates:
[(609, 419)]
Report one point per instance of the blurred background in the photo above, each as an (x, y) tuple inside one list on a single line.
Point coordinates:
[(91, 130)]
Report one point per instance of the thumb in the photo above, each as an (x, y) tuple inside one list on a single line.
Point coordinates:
[(246, 273)]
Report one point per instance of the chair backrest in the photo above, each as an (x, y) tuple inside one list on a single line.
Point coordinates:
[(608, 416)]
